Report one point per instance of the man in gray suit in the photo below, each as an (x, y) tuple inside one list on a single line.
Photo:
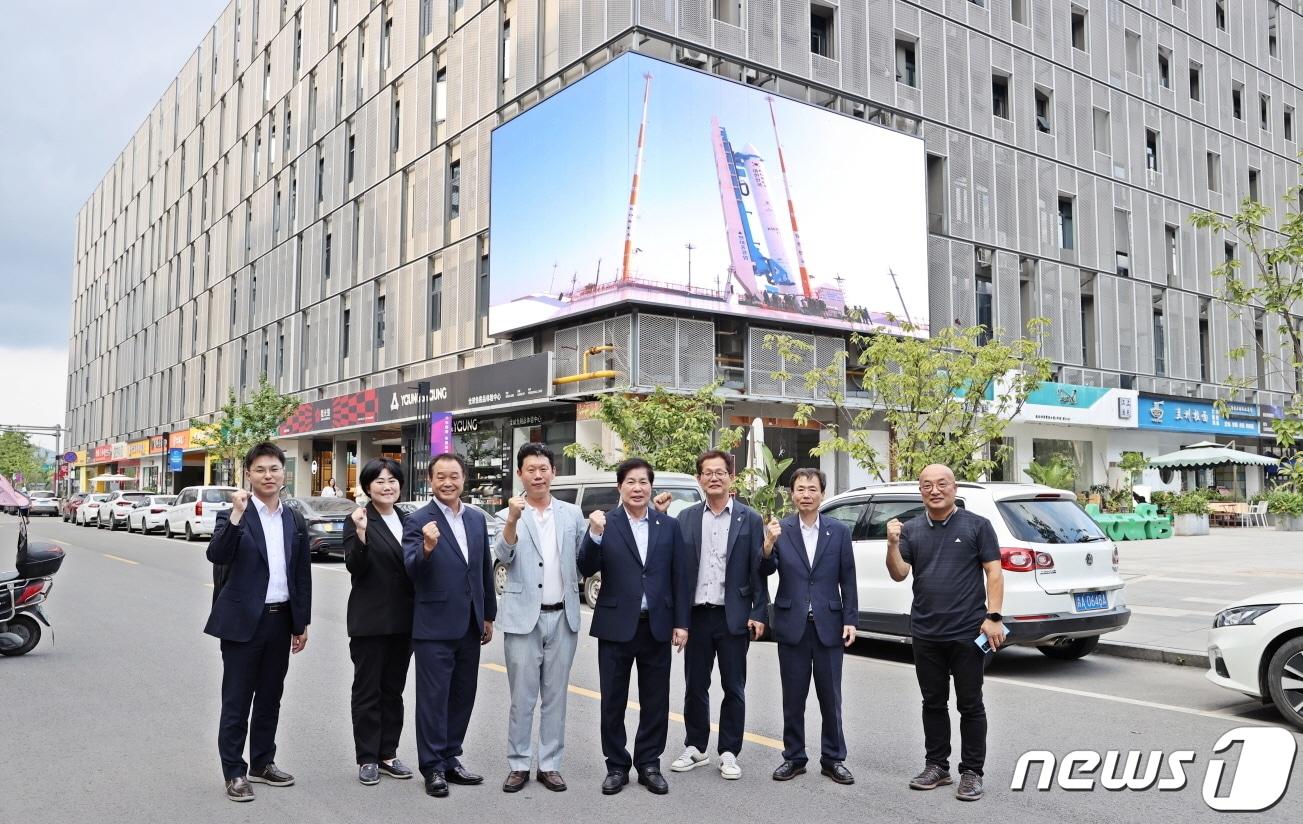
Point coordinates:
[(538, 615)]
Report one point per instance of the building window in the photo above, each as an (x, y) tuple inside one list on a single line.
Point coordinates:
[(294, 199), (326, 254), (985, 295), (1273, 16), (266, 77), (1214, 172), (1019, 11), (1289, 122), (321, 179), (1067, 236), (352, 158), (454, 190), (1000, 95), (1164, 68), (436, 303), (334, 16), (1133, 52), (1219, 14), (1122, 236), (482, 292), (1043, 123), (386, 44), (821, 30), (728, 11), (347, 330), (1087, 320), (1151, 150), (1237, 100), (906, 67), (280, 350), (1264, 112), (1160, 335), (1196, 84), (380, 322), (396, 127), (441, 96), (339, 83), (506, 50), (1078, 28), (298, 45), (936, 194), (1103, 132), (1170, 234), (1253, 186)]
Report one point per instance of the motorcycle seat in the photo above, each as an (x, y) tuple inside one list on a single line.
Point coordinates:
[(7, 575)]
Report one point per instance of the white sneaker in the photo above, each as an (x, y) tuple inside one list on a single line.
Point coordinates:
[(728, 767), (691, 758)]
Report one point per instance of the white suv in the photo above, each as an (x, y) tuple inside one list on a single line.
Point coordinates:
[(194, 514), (1062, 589)]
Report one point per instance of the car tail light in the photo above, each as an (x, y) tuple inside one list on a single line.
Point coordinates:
[(124, 503), (32, 590), (199, 509), (157, 509), (1044, 560), (1017, 560)]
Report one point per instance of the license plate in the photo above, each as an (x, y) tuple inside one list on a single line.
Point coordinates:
[(1087, 601)]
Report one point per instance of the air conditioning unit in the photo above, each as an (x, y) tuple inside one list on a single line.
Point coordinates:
[(694, 58)]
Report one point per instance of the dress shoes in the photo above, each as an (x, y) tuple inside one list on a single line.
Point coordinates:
[(436, 785), (788, 770), (516, 781), (395, 769), (652, 779), (615, 781), (368, 774), (552, 780), (837, 772), (271, 774), (238, 789), (460, 775)]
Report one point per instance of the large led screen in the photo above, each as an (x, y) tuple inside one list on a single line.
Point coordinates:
[(651, 183)]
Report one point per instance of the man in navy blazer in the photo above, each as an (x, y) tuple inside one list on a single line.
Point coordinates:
[(730, 604), (446, 551), (816, 610), (644, 603), (262, 605)]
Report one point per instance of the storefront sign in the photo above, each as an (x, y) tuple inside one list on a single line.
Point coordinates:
[(137, 449), (103, 453), (1176, 415), (174, 458), (1071, 404), (513, 381), (180, 440), (119, 450), (440, 433), (157, 444)]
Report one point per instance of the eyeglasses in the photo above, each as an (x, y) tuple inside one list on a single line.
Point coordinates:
[(263, 472), (715, 473), (940, 486)]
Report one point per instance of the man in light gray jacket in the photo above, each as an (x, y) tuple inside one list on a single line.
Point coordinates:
[(538, 615)]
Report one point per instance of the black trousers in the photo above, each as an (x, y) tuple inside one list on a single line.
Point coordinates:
[(379, 675), (796, 664), (253, 674), (935, 663), (447, 674), (615, 662), (708, 639)]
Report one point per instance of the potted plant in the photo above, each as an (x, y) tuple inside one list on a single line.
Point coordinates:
[(1163, 500), (1097, 493), (1118, 500), (1287, 506), (1058, 473), (1191, 512), (759, 485)]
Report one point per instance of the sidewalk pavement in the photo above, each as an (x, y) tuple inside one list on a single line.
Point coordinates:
[(1175, 586)]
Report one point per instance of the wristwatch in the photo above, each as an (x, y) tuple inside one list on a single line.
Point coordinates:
[(995, 616)]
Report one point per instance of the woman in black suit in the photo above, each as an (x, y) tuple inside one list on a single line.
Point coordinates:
[(379, 621)]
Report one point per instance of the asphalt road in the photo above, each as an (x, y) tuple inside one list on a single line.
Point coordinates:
[(114, 717)]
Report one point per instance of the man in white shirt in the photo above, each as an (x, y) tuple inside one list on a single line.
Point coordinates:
[(538, 615), (262, 604)]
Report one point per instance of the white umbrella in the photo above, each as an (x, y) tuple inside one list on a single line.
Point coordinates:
[(112, 479)]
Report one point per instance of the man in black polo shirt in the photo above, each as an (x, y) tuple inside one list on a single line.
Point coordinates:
[(958, 593)]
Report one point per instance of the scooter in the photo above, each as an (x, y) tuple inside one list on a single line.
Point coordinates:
[(23, 593)]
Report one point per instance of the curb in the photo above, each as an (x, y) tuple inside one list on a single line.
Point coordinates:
[(1140, 652)]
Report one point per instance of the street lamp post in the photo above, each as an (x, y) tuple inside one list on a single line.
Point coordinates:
[(689, 247)]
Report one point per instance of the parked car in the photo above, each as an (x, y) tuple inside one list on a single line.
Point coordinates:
[(88, 513), (113, 512), (325, 518), (43, 502), (1062, 589), (1256, 647), (148, 515), (69, 507), (194, 513)]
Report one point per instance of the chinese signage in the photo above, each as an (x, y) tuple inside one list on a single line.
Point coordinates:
[(498, 384), (1175, 415), (119, 450), (103, 453), (137, 449), (1071, 404), (440, 433), (157, 444), (179, 440)]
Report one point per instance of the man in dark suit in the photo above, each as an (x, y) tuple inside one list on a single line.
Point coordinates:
[(644, 603), (446, 551), (729, 605), (816, 609), (261, 612)]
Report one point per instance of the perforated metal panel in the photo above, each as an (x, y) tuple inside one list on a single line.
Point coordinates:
[(569, 345), (676, 353), (763, 363)]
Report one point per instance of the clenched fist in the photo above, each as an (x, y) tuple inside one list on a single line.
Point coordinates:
[(893, 530), (515, 506), (597, 522), (239, 501), (772, 531), (662, 502), (430, 535), (359, 523)]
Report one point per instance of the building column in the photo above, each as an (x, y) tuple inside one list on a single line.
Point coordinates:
[(593, 433)]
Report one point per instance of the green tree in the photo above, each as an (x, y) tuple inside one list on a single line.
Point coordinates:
[(241, 425), (18, 456), (666, 429), (945, 399), (1271, 292)]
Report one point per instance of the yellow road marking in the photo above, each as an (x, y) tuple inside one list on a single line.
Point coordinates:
[(123, 560), (754, 738)]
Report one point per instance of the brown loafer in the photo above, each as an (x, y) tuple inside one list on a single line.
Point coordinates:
[(552, 780), (516, 780)]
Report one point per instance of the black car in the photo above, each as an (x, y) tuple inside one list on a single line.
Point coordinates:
[(325, 518)]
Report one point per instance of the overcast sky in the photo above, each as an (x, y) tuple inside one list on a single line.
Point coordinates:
[(79, 77)]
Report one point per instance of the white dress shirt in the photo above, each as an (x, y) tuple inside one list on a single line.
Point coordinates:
[(457, 525), (550, 549), (395, 525), (278, 587)]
